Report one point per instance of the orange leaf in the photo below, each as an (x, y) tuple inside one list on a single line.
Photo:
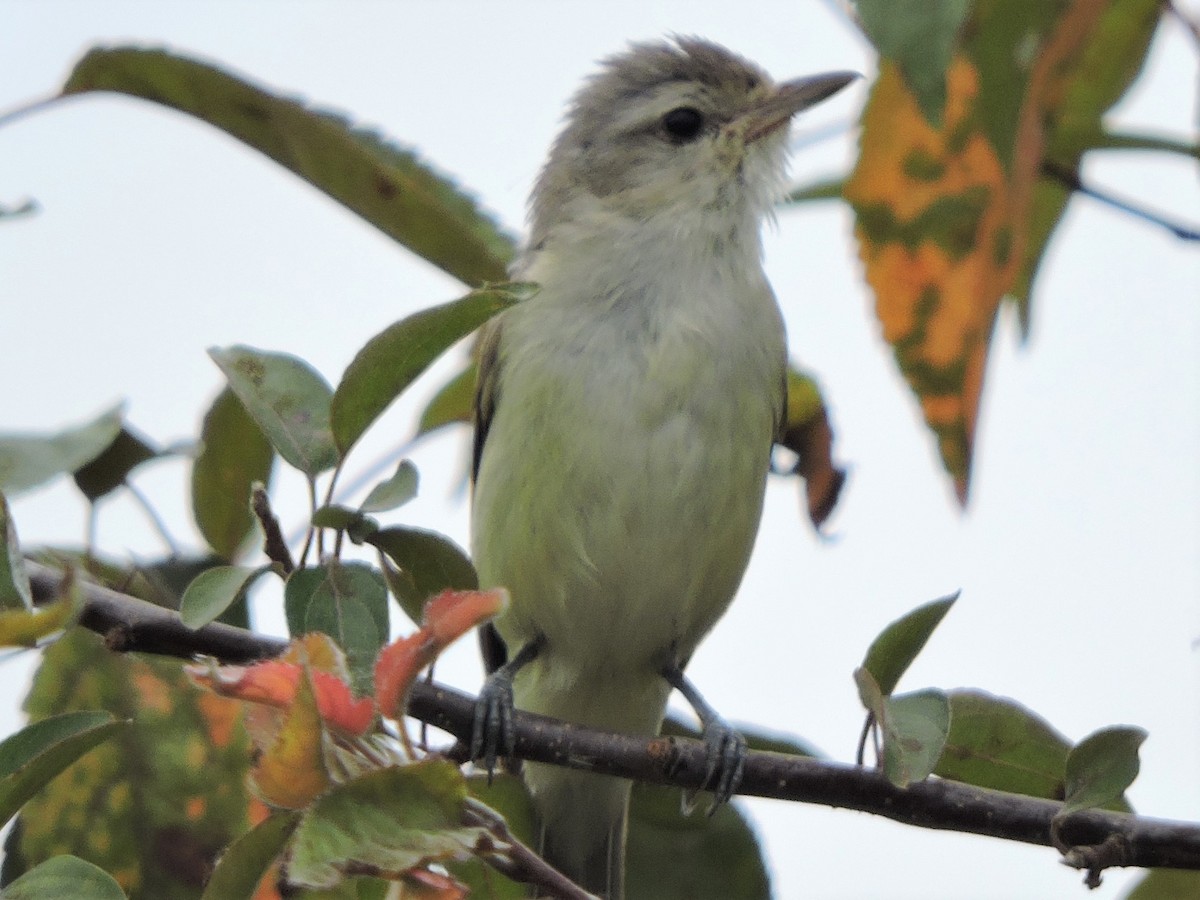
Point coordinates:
[(272, 682), (943, 214), (320, 652), (275, 683)]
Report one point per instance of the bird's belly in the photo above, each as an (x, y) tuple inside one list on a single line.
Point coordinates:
[(624, 537)]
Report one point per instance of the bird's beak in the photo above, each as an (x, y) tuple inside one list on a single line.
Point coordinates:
[(789, 98)]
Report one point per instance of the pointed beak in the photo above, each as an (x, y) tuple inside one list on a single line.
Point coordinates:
[(789, 98)]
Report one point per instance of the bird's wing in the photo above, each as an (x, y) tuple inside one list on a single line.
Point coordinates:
[(781, 411), (486, 389), (492, 648)]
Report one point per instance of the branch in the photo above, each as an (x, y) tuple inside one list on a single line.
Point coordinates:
[(938, 804), (132, 624)]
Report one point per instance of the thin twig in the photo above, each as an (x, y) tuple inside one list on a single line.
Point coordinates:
[(1189, 25), (12, 115), (308, 537), (860, 751), (1070, 178), (517, 860), (26, 208), (155, 519), (274, 546)]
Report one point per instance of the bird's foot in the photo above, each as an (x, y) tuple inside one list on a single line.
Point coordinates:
[(724, 761), (493, 734), (724, 747)]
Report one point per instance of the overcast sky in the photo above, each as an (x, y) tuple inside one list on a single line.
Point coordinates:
[(1078, 558)]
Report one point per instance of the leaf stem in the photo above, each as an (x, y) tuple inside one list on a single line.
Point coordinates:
[(155, 519)]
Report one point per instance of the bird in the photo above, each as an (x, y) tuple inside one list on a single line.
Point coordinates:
[(625, 416)]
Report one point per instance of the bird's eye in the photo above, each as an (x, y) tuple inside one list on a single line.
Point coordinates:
[(683, 124)]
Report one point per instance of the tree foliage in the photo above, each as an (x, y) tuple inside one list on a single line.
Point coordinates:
[(971, 145)]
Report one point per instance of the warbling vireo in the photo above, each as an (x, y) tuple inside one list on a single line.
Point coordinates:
[(625, 416)]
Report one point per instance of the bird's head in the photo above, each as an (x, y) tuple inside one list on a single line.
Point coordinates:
[(677, 128)]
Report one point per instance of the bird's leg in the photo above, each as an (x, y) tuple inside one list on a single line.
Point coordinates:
[(725, 749), (492, 734)]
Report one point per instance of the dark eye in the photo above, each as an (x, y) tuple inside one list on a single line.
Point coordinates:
[(683, 124)]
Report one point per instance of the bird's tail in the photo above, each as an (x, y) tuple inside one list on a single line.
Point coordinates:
[(582, 819), (583, 815)]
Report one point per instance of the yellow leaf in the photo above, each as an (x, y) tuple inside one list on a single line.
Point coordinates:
[(24, 628), (291, 772)]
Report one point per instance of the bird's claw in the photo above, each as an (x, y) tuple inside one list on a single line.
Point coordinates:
[(492, 733), (725, 751), (724, 764)]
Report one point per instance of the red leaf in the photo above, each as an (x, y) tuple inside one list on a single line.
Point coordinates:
[(451, 614), (396, 669), (448, 616)]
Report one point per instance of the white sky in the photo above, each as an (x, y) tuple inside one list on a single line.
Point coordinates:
[(1078, 560)]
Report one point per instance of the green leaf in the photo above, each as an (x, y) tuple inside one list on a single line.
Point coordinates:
[(428, 563), (340, 518), (1111, 59), (65, 876), (392, 819), (920, 37), (395, 357), (288, 400), (395, 491), (161, 583), (108, 471), (1101, 767), (27, 461), (1166, 884), (357, 525), (39, 752), (164, 582), (869, 692), (302, 586), (893, 651), (14, 582), (450, 404), (915, 728), (245, 862), (756, 737), (214, 591), (348, 602), (506, 795), (172, 788), (234, 454), (386, 185), (672, 856), (996, 743), (349, 622)]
